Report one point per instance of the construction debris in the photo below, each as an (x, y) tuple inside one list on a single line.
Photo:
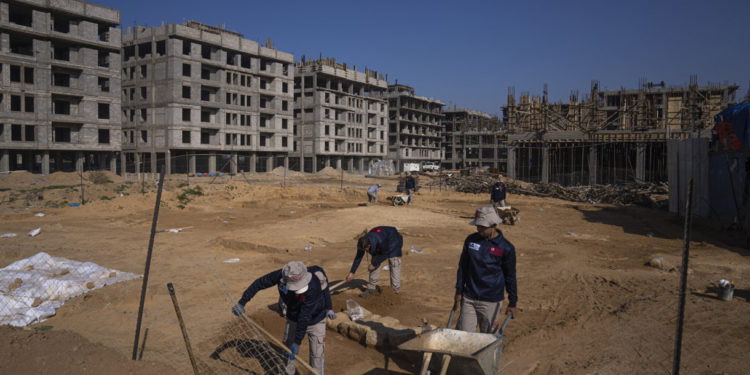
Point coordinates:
[(649, 195)]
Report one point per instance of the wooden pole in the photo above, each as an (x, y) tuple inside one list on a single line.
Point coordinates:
[(177, 311), (148, 264)]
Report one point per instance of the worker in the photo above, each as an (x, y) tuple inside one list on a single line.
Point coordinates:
[(372, 194), (498, 193), (410, 185), (305, 302), (487, 266), (381, 243)]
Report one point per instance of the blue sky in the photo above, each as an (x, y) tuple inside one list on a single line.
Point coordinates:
[(468, 53)]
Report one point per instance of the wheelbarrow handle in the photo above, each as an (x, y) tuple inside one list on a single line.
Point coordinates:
[(450, 317), (501, 330)]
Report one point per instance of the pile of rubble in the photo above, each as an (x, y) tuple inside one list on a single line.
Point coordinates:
[(649, 195)]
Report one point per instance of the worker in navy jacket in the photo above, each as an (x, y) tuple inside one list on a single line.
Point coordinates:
[(381, 243), (487, 268), (305, 300), (498, 193), (410, 185)]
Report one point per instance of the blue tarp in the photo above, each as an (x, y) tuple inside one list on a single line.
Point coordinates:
[(739, 116)]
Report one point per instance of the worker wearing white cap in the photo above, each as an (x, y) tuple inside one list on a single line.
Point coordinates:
[(306, 302), (487, 268)]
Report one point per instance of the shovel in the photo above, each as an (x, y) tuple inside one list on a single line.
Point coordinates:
[(450, 317)]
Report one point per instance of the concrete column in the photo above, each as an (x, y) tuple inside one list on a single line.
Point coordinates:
[(253, 162), (350, 164), (123, 162), (233, 163), (511, 162), (167, 163), (137, 161), (593, 165), (191, 163), (362, 165), (286, 163), (4, 161), (154, 166), (112, 162), (79, 161), (212, 163), (338, 163), (269, 163), (45, 163), (640, 163), (545, 163), (314, 164), (328, 161)]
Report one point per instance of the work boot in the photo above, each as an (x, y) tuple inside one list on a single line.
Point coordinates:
[(368, 292)]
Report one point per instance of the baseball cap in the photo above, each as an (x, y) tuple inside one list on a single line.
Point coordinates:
[(486, 217), (294, 274)]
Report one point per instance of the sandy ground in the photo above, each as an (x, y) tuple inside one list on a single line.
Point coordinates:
[(589, 304)]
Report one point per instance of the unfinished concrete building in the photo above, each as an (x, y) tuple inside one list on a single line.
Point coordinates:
[(473, 139), (59, 86), (199, 99), (341, 120), (612, 137), (414, 127)]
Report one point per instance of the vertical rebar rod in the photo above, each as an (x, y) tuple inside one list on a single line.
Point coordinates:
[(148, 264), (683, 282)]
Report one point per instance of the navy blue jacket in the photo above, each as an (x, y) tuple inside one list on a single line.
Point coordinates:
[(486, 268), (305, 309), (411, 183), (498, 192), (385, 242)]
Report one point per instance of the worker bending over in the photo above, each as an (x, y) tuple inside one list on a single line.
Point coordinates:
[(381, 243), (305, 302)]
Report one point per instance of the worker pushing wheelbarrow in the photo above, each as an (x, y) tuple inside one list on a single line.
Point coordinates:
[(486, 269)]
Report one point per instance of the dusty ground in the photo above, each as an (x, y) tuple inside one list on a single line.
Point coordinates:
[(589, 303)]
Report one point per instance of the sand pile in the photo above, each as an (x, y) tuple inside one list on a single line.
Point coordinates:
[(279, 171), (330, 172)]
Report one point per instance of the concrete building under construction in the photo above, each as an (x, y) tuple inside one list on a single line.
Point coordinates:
[(200, 99), (340, 118), (612, 137), (59, 86), (473, 139), (414, 127)]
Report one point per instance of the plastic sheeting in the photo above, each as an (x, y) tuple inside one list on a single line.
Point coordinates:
[(732, 129), (32, 289)]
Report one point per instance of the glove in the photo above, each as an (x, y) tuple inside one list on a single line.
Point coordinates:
[(294, 351), (283, 289), (238, 309), (331, 315)]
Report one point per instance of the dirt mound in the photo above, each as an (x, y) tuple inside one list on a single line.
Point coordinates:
[(279, 171), (328, 171), (37, 351)]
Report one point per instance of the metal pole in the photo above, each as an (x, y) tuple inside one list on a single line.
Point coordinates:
[(683, 282), (82, 196), (170, 287), (148, 264)]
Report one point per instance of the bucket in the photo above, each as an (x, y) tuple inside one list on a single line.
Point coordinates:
[(726, 292)]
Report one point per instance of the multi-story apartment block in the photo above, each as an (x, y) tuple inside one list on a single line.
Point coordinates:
[(59, 85), (339, 121), (414, 127), (473, 139), (202, 99)]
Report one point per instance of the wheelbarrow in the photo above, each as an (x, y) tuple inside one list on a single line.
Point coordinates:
[(463, 352)]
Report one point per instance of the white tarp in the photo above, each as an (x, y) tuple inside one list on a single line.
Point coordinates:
[(32, 289)]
